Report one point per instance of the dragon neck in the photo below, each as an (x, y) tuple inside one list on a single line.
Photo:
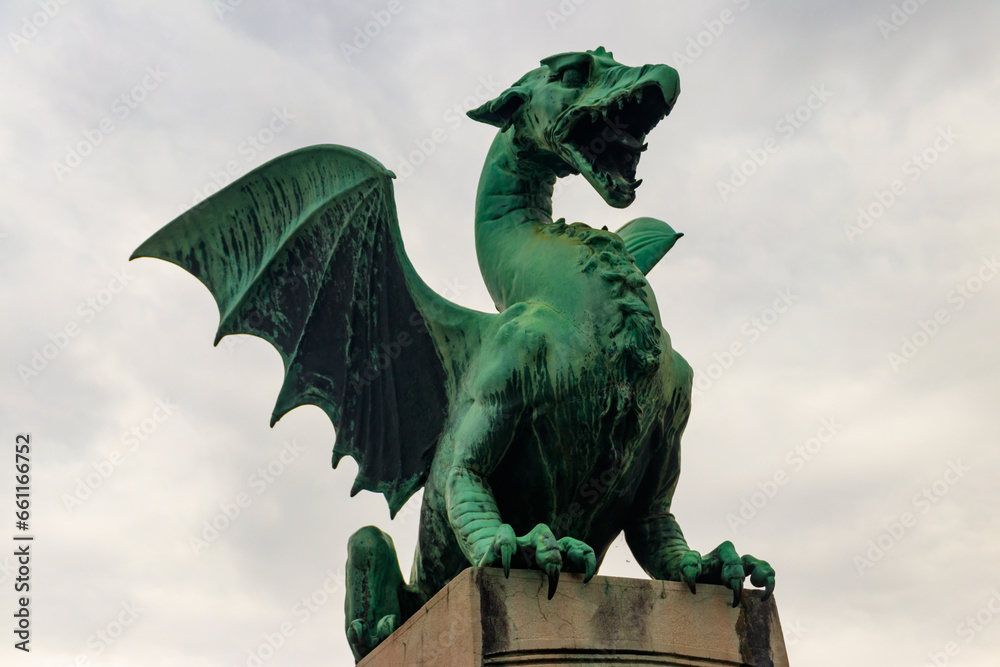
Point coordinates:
[(583, 273), (514, 198)]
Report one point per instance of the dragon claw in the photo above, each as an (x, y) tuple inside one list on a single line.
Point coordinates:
[(553, 571), (552, 554), (540, 539), (386, 626), (761, 574), (580, 555), (358, 638), (733, 573), (362, 641), (724, 566), (507, 541), (506, 552), (690, 567), (690, 578), (737, 586), (356, 631), (504, 545), (549, 554)]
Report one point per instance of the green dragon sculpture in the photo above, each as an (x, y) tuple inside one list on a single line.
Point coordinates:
[(538, 433)]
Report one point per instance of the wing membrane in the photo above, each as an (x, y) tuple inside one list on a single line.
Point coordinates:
[(305, 253)]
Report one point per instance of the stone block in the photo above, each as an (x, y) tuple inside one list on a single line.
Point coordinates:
[(482, 619)]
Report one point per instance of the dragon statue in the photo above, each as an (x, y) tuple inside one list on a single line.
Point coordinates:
[(539, 433)]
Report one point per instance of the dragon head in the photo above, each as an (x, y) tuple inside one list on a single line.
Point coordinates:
[(585, 113)]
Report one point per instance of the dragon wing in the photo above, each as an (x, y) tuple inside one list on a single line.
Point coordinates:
[(648, 240), (305, 252)]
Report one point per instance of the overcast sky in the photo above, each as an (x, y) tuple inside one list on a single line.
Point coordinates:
[(833, 165)]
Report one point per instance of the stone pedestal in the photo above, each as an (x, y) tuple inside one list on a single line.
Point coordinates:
[(481, 619)]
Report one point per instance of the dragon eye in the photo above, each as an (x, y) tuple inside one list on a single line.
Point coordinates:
[(575, 77)]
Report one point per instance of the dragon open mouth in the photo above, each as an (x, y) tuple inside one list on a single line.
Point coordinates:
[(605, 142)]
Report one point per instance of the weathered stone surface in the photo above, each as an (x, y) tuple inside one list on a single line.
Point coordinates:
[(482, 619)]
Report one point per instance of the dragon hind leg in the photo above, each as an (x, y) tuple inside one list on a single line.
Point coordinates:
[(378, 599)]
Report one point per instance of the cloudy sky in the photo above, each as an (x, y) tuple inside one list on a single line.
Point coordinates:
[(833, 165)]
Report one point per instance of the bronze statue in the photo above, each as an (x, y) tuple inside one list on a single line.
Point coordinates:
[(539, 433)]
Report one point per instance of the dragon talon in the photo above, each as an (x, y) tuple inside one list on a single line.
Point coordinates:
[(386, 626), (356, 636), (761, 574), (506, 552), (553, 571), (356, 630), (690, 579), (579, 555), (690, 568), (737, 592)]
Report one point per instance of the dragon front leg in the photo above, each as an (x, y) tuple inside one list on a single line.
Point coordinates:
[(656, 539), (659, 545), (723, 565), (487, 541), (481, 440), (475, 518)]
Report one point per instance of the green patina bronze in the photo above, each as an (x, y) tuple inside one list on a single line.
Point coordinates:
[(539, 433)]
